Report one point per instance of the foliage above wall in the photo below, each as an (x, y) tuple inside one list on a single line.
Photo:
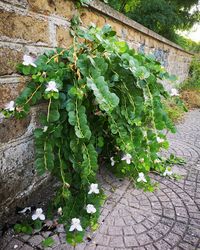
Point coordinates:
[(162, 16), (104, 106)]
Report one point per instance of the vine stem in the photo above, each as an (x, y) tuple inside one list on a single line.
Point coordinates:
[(33, 94), (48, 113), (45, 159), (152, 112), (56, 55)]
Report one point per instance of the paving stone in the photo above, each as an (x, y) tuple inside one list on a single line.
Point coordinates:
[(64, 247), (143, 239), (24, 237), (140, 228), (162, 245), (101, 239), (80, 246), (119, 222), (26, 247), (35, 240), (128, 230), (154, 234), (191, 239), (112, 230), (104, 248), (186, 246), (116, 241), (150, 247), (172, 239), (14, 242), (130, 241), (179, 228)]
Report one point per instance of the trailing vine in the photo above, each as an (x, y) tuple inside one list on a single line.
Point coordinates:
[(104, 104)]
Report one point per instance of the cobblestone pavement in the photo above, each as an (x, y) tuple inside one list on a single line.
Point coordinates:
[(169, 218)]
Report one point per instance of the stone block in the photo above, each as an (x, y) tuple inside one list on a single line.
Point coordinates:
[(16, 156), (25, 28), (63, 37), (14, 182), (117, 26), (10, 89), (12, 128), (59, 7), (9, 58), (89, 16), (21, 3)]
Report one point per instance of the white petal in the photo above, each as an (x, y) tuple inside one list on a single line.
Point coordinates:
[(144, 180), (72, 228), (34, 217), (79, 228), (60, 211), (45, 128), (41, 217), (128, 161), (33, 64), (39, 211)]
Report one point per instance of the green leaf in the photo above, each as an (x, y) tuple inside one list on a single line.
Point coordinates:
[(54, 115), (48, 242), (106, 100), (18, 228), (40, 167), (37, 224)]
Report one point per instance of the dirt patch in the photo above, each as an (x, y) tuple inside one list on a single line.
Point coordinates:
[(191, 98)]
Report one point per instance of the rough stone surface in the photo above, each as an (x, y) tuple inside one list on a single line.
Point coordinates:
[(13, 128), (64, 39), (9, 58), (167, 219), (10, 87), (61, 8), (25, 28)]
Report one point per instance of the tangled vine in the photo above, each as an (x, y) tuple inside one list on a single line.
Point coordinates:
[(104, 106)]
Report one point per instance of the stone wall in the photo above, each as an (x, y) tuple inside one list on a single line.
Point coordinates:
[(30, 27)]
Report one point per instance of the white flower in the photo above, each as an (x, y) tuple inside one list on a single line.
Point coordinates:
[(38, 214), (28, 60), (51, 86), (141, 160), (10, 106), (76, 224), (45, 128), (90, 209), (167, 172), (145, 133), (157, 161), (160, 140), (174, 92), (59, 211), (112, 161), (15, 246), (127, 158), (141, 178), (93, 189)]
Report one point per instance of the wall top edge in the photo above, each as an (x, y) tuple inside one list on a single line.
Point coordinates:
[(109, 11)]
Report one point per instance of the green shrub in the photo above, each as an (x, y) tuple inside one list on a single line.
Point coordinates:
[(193, 82), (104, 101)]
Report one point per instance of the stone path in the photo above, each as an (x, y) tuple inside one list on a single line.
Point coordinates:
[(169, 218)]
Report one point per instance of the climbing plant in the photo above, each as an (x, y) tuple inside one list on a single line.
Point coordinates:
[(103, 107)]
